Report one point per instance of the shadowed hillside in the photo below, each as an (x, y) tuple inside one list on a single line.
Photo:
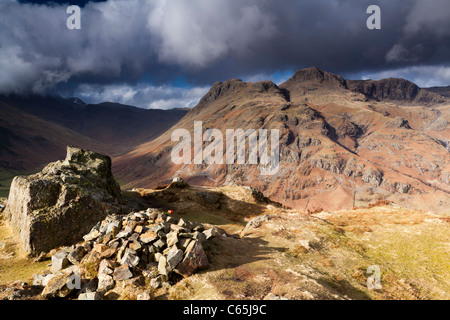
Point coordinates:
[(110, 123), (35, 130)]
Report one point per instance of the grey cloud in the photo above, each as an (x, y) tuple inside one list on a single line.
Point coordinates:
[(423, 76), (122, 40), (143, 95), (431, 17), (425, 37), (202, 41), (198, 32)]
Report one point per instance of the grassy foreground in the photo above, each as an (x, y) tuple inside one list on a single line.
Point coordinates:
[(294, 255)]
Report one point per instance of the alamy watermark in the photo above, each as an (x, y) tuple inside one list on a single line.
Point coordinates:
[(74, 20), (74, 281), (374, 281), (235, 151), (374, 21)]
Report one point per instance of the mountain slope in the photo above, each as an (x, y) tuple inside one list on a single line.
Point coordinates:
[(28, 142), (110, 123), (340, 143), (35, 130)]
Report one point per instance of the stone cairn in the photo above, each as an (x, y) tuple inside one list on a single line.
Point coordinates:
[(149, 244)]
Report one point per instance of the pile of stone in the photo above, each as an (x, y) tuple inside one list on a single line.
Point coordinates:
[(149, 244)]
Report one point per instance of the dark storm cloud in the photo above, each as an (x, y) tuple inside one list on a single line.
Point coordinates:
[(127, 43), (80, 3)]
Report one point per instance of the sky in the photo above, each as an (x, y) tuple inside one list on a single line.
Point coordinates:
[(168, 53)]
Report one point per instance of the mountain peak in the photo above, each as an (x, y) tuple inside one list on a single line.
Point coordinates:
[(309, 74), (237, 87), (220, 89), (396, 89), (314, 75), (385, 89), (312, 80), (77, 101)]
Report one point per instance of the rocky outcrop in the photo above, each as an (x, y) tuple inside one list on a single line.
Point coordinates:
[(237, 87), (178, 183), (257, 221), (314, 75), (218, 90), (373, 177), (446, 178), (401, 187), (264, 86), (332, 163), (397, 123), (395, 89), (60, 204)]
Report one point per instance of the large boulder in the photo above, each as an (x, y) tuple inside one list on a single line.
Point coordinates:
[(60, 204)]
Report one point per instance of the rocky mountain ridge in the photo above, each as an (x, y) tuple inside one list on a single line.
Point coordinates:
[(392, 89), (341, 142)]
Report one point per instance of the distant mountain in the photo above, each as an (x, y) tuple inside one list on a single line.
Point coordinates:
[(443, 91), (342, 142), (110, 123), (392, 89), (28, 142), (35, 130)]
